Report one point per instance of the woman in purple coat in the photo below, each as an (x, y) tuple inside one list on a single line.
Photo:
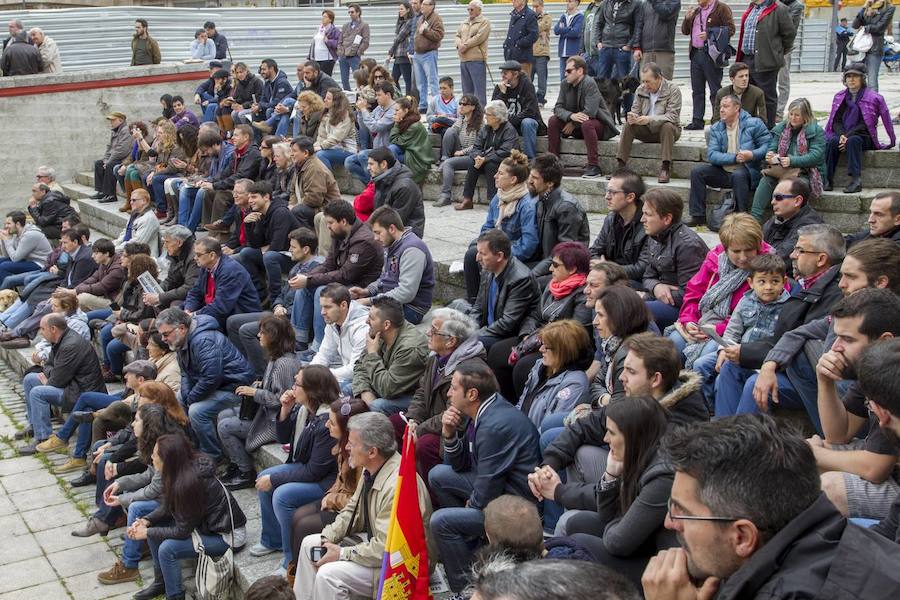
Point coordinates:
[(853, 126)]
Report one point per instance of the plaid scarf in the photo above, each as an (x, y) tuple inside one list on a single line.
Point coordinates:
[(815, 177)]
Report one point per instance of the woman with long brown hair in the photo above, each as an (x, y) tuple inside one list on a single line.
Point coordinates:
[(336, 139), (410, 142)]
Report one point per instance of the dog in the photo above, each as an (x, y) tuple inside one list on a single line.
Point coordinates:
[(7, 298), (615, 91)]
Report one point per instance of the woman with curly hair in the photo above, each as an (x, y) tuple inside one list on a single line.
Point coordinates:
[(171, 161), (336, 137), (410, 142)]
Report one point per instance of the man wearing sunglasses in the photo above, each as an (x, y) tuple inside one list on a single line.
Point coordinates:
[(790, 205)]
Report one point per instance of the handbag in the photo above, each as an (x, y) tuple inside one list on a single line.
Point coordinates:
[(779, 172), (530, 344), (862, 42), (720, 212), (215, 574)]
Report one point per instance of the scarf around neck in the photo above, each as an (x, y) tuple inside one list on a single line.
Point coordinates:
[(561, 289), (509, 200), (717, 298), (815, 178)]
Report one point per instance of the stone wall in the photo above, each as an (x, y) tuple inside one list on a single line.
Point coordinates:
[(58, 120)]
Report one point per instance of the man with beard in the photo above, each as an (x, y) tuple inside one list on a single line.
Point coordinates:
[(752, 522)]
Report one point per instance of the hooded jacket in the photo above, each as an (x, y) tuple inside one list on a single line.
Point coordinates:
[(543, 396), (50, 212), (274, 92), (683, 403), (430, 399), (106, 281), (517, 293), (234, 292), (521, 103), (73, 367), (342, 347), (273, 228), (392, 372), (209, 362), (182, 275), (782, 235), (674, 257), (29, 245), (627, 248), (353, 260), (396, 188)]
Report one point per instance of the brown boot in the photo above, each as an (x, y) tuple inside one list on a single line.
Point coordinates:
[(227, 123), (664, 173), (119, 573), (464, 204), (262, 126)]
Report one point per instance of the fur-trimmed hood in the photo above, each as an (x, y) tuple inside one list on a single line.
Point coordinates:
[(684, 402)]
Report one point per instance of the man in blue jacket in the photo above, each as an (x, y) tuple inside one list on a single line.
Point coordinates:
[(275, 87), (489, 456), (521, 36), (223, 286), (737, 144), (211, 369)]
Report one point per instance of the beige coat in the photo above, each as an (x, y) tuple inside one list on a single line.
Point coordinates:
[(545, 26), (349, 521), (341, 136), (50, 61), (472, 39), (668, 103)]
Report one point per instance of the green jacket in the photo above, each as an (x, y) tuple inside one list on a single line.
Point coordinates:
[(416, 145), (815, 144), (775, 33), (393, 371)]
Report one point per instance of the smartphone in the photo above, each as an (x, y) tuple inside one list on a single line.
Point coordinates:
[(316, 553)]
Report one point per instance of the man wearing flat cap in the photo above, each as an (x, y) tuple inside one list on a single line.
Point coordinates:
[(516, 91), (120, 144)]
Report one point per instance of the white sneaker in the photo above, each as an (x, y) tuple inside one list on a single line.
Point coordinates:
[(260, 550), (280, 572)]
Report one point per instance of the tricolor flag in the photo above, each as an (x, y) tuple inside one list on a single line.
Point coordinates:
[(404, 571)]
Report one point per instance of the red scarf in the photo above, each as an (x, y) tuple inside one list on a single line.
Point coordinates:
[(210, 289), (560, 290)]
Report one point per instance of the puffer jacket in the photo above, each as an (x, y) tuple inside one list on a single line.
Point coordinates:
[(543, 396), (50, 212), (521, 35), (397, 189), (658, 25), (753, 135), (342, 347), (619, 24), (782, 235), (430, 399), (209, 362), (626, 250), (215, 518), (673, 257), (234, 292)]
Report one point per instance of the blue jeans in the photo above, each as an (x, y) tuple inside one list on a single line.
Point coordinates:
[(348, 65), (425, 64), (307, 311), (100, 313), (15, 314), (34, 279), (457, 531), (398, 152), (706, 367), (86, 401), (664, 314), (107, 514), (209, 113), (190, 206), (14, 281), (540, 71), (167, 555), (873, 64), (131, 550), (273, 264), (357, 165), (15, 267), (203, 415), (113, 350), (614, 63), (529, 129), (593, 64), (390, 406), (332, 157), (158, 192), (277, 509), (38, 399)]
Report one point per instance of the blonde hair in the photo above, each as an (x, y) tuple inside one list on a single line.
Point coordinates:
[(166, 135), (802, 106), (568, 339), (312, 99), (740, 230)]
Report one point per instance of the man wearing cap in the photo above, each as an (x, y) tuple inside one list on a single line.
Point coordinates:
[(516, 91), (218, 39), (119, 147)]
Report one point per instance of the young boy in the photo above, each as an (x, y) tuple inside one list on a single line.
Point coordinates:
[(442, 109), (303, 247), (754, 316)]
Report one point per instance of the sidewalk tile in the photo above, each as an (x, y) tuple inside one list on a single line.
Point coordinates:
[(52, 590), (61, 538), (19, 548), (52, 516), (20, 464), (20, 482), (42, 497), (85, 559), (25, 573), (86, 586)]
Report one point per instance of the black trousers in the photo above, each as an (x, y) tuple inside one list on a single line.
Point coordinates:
[(715, 176), (704, 74), (105, 177), (767, 81), (488, 169), (854, 148)]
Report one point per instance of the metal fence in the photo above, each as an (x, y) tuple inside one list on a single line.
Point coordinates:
[(91, 38)]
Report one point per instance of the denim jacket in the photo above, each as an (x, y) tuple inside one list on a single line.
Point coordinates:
[(752, 320)]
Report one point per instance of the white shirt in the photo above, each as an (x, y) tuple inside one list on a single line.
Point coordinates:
[(320, 50), (654, 96)]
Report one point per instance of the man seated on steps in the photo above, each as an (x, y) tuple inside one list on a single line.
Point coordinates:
[(313, 184), (385, 376), (791, 212), (25, 248), (142, 225), (884, 219), (223, 286), (654, 118), (396, 189), (580, 112), (48, 207), (103, 286), (516, 91), (72, 368), (622, 237), (407, 275), (345, 334), (178, 243), (119, 147), (737, 144)]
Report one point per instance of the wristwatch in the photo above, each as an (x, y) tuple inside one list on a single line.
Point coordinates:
[(344, 554)]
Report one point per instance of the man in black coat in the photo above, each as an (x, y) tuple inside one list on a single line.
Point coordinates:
[(20, 57), (884, 219), (72, 368), (48, 208), (178, 242), (507, 292), (516, 91), (622, 237), (394, 187), (790, 205), (776, 535)]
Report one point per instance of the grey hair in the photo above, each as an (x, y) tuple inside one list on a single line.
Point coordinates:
[(496, 108), (549, 579), (654, 68), (34, 30), (245, 183), (476, 3), (375, 431), (731, 98), (825, 238), (48, 172), (802, 106), (455, 323), (176, 232), (18, 23), (282, 147), (173, 317)]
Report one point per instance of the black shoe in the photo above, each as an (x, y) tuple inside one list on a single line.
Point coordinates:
[(82, 416), (694, 126), (444, 201), (24, 434), (695, 221), (241, 481), (157, 588), (827, 186), (97, 196), (108, 199), (228, 471), (591, 171), (84, 479), (854, 186)]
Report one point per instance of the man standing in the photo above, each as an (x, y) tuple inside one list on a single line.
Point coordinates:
[(796, 9), (14, 27), (541, 50), (698, 22), (144, 49), (570, 29), (471, 45), (884, 219), (516, 91), (767, 34), (842, 35), (736, 146), (654, 118), (657, 43), (580, 112), (211, 370), (385, 376), (50, 61), (408, 272), (588, 35), (753, 100), (622, 237), (791, 208), (20, 57), (353, 43), (426, 41), (119, 146), (521, 36), (491, 456), (218, 39), (618, 37)]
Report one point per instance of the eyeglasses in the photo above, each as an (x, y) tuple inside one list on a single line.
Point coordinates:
[(555, 264), (799, 250), (675, 517), (432, 332), (612, 192), (782, 197), (569, 71), (465, 104)]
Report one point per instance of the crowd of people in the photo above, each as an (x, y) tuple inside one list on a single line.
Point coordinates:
[(596, 416)]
